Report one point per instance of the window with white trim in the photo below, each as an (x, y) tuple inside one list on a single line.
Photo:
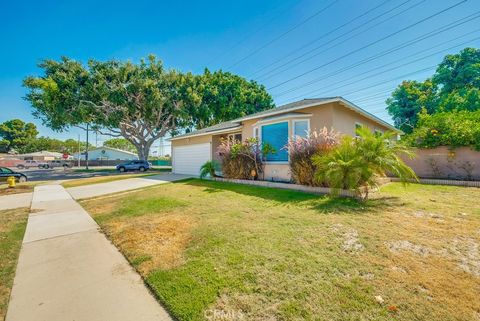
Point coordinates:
[(378, 132), (255, 133), (301, 128)]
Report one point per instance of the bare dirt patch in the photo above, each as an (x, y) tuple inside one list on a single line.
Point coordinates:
[(405, 245), (351, 242), (467, 253)]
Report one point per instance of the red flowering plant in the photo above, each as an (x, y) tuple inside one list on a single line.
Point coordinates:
[(243, 160), (301, 150)]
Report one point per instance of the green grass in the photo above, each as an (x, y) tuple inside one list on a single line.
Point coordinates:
[(12, 228), (271, 254)]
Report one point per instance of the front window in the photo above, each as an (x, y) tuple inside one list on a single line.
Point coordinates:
[(300, 128), (235, 138), (277, 136)]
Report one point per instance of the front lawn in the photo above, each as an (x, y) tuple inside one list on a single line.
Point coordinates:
[(12, 228), (209, 248)]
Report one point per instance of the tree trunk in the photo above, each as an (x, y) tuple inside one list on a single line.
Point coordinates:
[(143, 149)]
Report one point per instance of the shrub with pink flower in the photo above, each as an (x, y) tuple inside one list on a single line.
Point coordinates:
[(301, 150)]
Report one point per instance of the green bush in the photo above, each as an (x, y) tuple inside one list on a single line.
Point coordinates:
[(356, 162), (454, 128), (208, 169)]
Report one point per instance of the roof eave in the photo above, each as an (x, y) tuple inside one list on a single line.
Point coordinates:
[(220, 131)]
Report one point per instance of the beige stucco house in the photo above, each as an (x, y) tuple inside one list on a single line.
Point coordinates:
[(275, 126)]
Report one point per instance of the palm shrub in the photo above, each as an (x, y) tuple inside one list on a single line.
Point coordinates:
[(356, 162), (243, 160), (208, 169), (302, 149)]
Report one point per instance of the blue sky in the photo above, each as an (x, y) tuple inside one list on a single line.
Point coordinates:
[(297, 49)]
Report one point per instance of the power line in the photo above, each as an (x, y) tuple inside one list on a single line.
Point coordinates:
[(390, 80), (321, 37), (403, 45), (399, 66), (270, 75), (224, 52), (283, 34), (369, 45)]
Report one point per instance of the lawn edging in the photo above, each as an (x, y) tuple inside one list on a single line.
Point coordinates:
[(289, 186), (435, 181)]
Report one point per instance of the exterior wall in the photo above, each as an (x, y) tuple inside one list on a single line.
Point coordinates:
[(344, 120), (443, 163), (109, 154)]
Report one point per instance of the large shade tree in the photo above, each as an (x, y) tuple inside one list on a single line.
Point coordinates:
[(455, 85), (139, 102)]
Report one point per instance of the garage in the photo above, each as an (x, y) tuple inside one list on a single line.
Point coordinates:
[(188, 159)]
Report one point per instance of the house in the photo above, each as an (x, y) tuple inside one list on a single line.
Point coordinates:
[(275, 126), (107, 153)]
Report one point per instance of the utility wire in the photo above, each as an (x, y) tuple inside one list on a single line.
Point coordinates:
[(271, 73), (396, 67), (282, 34), (309, 43), (403, 45), (390, 80), (368, 45)]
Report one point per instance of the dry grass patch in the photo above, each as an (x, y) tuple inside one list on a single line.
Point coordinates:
[(12, 228), (264, 254), (19, 188), (152, 243), (102, 179)]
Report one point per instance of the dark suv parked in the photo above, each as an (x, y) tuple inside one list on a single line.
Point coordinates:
[(135, 165)]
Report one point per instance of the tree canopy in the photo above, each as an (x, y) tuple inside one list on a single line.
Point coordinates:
[(455, 85), (450, 128), (139, 102), (119, 143), (16, 134)]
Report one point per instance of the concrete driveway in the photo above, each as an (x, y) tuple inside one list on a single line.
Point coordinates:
[(100, 189)]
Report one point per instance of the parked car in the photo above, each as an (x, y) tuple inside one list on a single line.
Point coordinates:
[(135, 165), (7, 172), (32, 163), (59, 163)]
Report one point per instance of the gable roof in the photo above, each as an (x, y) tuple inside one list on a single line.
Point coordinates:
[(305, 103)]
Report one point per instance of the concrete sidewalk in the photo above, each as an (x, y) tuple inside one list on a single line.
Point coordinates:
[(12, 201), (100, 189), (68, 270)]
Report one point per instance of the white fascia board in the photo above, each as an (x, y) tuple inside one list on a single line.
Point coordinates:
[(221, 131)]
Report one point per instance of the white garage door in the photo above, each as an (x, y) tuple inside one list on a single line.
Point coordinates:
[(189, 159)]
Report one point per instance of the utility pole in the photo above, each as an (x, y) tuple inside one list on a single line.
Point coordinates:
[(86, 152), (79, 151)]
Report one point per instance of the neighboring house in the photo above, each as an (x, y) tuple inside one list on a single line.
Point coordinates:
[(275, 126), (107, 153)]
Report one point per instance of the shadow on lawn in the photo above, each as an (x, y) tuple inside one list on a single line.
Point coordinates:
[(321, 203)]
